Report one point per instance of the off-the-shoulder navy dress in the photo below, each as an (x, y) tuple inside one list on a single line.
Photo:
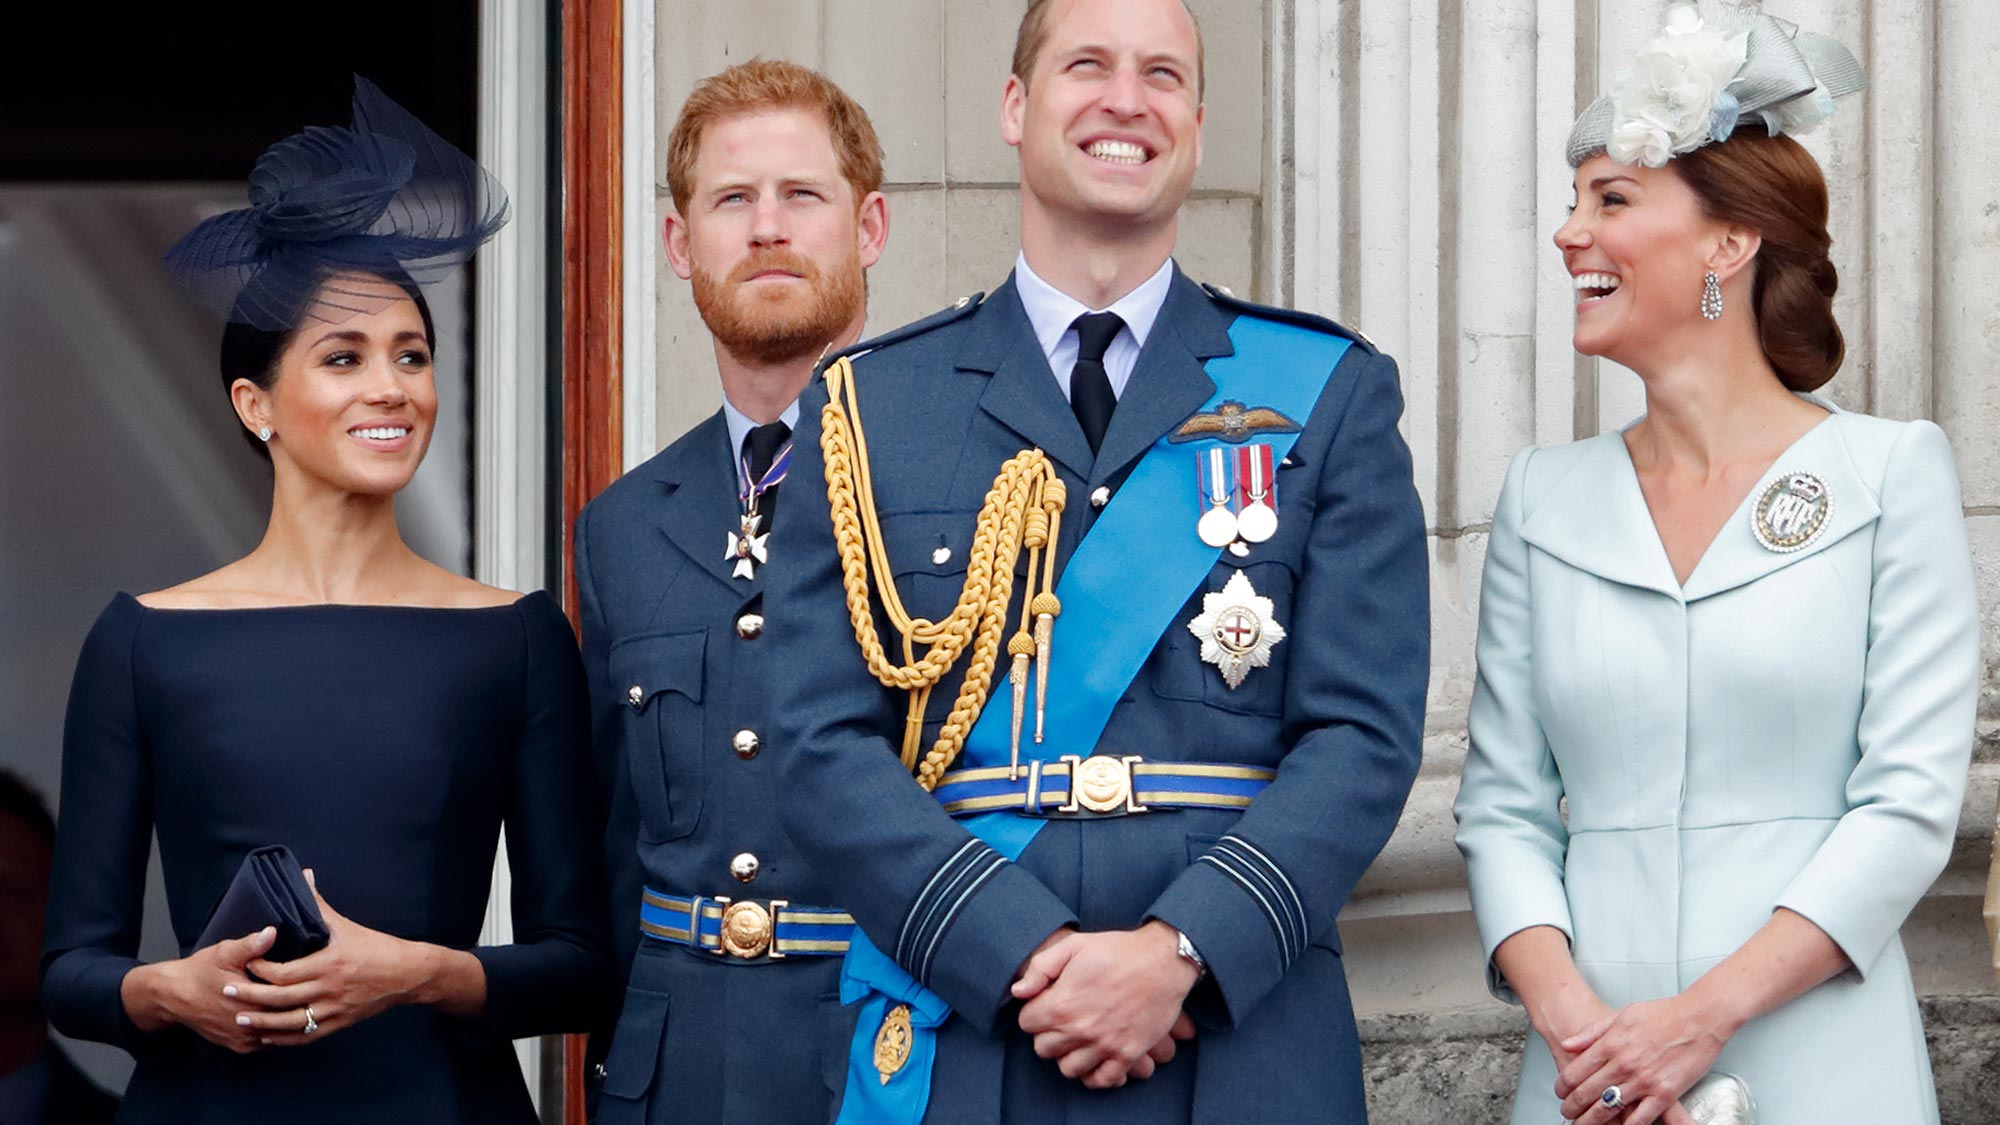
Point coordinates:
[(386, 746)]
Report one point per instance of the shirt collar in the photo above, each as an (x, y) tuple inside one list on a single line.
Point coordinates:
[(741, 423), (740, 426), (1052, 311)]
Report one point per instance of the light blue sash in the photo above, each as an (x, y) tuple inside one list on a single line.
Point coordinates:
[(1113, 615)]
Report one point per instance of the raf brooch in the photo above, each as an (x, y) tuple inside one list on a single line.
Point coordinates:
[(1237, 629), (1791, 512)]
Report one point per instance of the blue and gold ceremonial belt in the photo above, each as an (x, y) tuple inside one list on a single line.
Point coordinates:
[(1100, 785), (747, 929)]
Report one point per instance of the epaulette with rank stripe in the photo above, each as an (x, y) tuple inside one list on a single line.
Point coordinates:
[(1289, 316), (944, 316)]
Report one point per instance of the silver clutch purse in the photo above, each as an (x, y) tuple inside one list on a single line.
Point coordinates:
[(1719, 1099)]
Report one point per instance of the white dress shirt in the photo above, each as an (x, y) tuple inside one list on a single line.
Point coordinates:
[(740, 425), (1052, 312)]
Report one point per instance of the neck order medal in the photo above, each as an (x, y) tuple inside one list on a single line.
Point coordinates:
[(746, 547)]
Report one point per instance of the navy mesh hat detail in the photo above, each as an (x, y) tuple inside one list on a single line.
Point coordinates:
[(333, 212)]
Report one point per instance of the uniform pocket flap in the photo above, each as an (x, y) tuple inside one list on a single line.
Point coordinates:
[(928, 542), (643, 667), (635, 1047)]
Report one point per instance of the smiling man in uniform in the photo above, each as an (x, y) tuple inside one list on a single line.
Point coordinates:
[(1107, 644)]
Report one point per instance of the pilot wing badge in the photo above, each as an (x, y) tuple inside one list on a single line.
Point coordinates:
[(1234, 422)]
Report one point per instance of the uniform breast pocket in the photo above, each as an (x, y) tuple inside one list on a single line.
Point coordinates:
[(928, 552), (661, 676), (1230, 627)]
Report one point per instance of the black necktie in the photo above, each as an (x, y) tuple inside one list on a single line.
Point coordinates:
[(1089, 386), (760, 448)]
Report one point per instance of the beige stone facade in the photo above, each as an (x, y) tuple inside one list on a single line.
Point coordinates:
[(1397, 164)]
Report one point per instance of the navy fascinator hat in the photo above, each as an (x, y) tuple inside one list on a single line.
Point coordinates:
[(383, 198)]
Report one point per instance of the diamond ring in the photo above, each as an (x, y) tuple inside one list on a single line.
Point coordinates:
[(312, 1025), (1613, 1098)]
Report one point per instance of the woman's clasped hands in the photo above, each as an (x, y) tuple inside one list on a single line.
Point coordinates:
[(230, 995), (1651, 1051), (360, 973), (194, 991)]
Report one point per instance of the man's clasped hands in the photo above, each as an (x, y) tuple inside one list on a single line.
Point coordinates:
[(1106, 1006)]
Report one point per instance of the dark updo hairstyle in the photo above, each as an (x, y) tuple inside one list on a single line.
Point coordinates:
[(249, 352), (1772, 185)]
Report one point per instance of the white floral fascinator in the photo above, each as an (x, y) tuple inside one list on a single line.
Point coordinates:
[(1714, 66)]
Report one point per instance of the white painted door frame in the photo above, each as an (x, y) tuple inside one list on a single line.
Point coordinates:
[(511, 366)]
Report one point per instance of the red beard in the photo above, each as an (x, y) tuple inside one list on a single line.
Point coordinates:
[(783, 323)]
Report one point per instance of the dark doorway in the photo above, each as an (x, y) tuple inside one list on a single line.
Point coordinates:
[(181, 92)]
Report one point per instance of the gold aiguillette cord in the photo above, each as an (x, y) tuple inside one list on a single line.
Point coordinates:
[(1022, 509)]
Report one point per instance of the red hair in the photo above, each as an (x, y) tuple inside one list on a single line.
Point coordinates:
[(1772, 185), (767, 84)]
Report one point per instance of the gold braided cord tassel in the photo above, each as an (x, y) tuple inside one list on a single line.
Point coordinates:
[(1022, 509)]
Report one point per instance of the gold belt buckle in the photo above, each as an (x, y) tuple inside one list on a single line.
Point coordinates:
[(749, 930), (1101, 784)]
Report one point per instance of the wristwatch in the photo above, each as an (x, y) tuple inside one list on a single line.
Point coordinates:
[(1191, 955)]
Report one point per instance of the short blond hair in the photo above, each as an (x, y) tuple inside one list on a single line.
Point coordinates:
[(767, 84), (1034, 32)]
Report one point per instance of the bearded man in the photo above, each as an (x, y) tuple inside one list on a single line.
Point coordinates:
[(776, 178)]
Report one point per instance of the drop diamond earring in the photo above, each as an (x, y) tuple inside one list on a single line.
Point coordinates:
[(1711, 297)]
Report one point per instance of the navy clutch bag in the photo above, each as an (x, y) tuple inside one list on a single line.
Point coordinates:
[(269, 890)]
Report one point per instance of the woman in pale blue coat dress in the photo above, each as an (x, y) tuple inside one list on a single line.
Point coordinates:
[(1728, 657)]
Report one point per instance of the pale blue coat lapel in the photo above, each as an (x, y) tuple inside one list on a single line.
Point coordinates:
[(1595, 518), (1737, 559)]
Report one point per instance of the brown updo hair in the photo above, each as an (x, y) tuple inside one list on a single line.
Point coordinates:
[(1772, 185)]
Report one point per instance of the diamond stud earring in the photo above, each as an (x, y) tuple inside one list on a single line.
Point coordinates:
[(264, 433)]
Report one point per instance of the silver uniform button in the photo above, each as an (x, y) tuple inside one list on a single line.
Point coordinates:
[(744, 867), (1100, 496), (636, 695), (746, 744), (750, 626)]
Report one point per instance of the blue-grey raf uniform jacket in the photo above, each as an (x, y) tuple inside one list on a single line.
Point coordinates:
[(678, 655), (1338, 713)]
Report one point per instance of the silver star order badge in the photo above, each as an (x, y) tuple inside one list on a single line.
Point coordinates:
[(1237, 629), (747, 548)]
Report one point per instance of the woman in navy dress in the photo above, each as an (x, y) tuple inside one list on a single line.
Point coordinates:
[(336, 693)]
